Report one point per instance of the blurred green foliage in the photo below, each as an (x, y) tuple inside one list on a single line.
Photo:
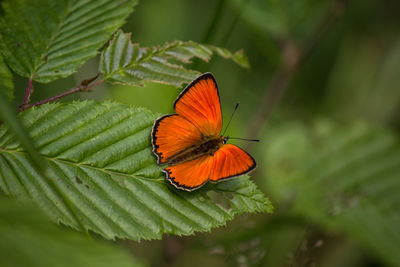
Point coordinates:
[(29, 239), (329, 151)]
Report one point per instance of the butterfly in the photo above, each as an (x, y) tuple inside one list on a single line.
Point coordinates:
[(189, 141)]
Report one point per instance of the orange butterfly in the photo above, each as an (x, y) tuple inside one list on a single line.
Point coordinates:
[(190, 142)]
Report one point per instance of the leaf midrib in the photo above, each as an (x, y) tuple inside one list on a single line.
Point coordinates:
[(71, 163), (151, 52)]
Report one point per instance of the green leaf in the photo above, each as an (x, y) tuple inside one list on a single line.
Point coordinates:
[(46, 40), (126, 63), (6, 80), (343, 178), (102, 156), (28, 238)]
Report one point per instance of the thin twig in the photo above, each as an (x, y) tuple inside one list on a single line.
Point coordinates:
[(228, 32), (209, 34), (292, 59), (83, 87), (28, 92), (277, 87), (337, 9), (212, 27)]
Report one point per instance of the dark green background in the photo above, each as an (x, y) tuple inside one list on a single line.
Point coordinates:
[(351, 74)]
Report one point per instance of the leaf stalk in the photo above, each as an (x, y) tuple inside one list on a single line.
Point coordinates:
[(83, 87)]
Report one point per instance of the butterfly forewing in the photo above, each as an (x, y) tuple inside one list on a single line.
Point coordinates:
[(199, 103), (173, 134)]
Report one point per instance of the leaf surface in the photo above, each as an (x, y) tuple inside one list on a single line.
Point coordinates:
[(6, 80)]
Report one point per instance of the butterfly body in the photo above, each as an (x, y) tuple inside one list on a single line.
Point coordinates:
[(208, 146), (189, 141)]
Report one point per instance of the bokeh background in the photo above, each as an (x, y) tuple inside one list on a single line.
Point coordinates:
[(322, 95)]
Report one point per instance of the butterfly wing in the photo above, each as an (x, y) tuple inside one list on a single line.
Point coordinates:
[(190, 175), (229, 161), (172, 134), (199, 114), (199, 103)]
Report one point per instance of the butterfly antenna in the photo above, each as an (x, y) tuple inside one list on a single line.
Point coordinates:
[(245, 139), (233, 112)]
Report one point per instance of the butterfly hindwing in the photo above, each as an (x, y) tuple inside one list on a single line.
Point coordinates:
[(190, 175), (199, 103), (229, 161)]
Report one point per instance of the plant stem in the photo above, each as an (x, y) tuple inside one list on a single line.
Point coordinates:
[(28, 92), (292, 59), (277, 87), (209, 34), (83, 87), (228, 33)]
